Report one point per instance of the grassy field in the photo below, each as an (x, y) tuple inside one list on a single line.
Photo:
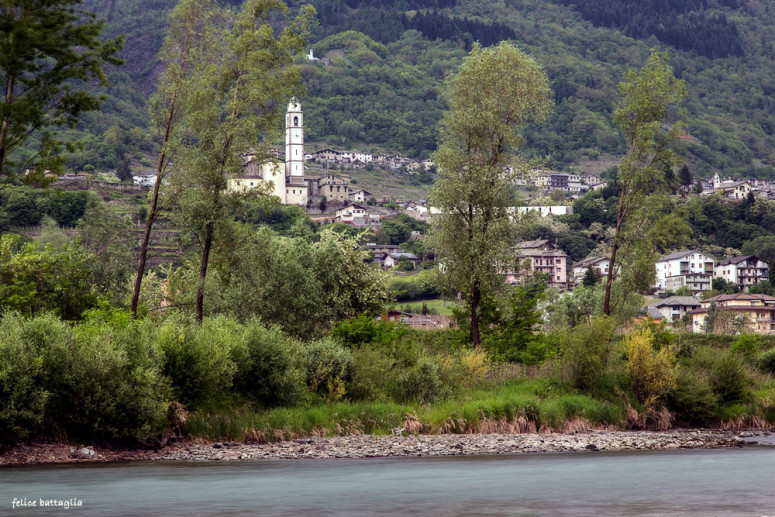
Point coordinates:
[(442, 307)]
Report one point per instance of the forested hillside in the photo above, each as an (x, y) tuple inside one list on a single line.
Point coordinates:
[(379, 84)]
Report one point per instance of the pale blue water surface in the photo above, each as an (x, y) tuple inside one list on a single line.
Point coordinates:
[(684, 482)]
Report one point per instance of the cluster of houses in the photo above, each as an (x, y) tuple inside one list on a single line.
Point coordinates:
[(691, 269), (569, 183), (360, 159)]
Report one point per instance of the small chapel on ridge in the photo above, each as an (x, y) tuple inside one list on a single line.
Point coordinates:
[(286, 181)]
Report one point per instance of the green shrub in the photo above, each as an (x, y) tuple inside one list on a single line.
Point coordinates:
[(372, 373), (730, 380), (268, 367), (328, 366), (126, 396), (22, 395), (746, 346), (587, 352), (422, 383), (198, 358), (365, 330), (693, 398), (96, 381), (765, 361)]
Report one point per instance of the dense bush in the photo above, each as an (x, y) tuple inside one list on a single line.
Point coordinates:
[(198, 358), (422, 383), (693, 398), (587, 352), (652, 372), (765, 361), (268, 366), (99, 381), (328, 366)]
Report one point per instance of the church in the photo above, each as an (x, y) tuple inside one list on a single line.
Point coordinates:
[(285, 180)]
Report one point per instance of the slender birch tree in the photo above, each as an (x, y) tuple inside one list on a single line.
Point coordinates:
[(648, 116), (496, 92), (192, 24), (236, 96)]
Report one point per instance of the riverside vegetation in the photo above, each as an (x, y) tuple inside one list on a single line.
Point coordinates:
[(243, 380), (269, 328)]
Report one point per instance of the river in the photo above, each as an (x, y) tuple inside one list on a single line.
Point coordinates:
[(683, 482)]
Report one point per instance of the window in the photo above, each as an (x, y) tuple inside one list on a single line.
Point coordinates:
[(295, 121)]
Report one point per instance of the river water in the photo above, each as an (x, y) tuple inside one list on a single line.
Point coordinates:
[(684, 482)]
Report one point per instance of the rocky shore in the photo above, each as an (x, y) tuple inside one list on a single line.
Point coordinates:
[(366, 446)]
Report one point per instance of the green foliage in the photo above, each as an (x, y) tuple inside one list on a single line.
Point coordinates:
[(422, 383), (587, 352), (25, 206), (198, 359), (765, 361), (268, 367), (693, 398), (305, 287), (49, 52), (33, 281), (364, 330), (516, 332), (421, 286), (101, 380), (328, 366), (730, 380), (494, 95), (746, 346)]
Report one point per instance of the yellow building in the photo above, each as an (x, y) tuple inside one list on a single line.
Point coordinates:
[(734, 313)]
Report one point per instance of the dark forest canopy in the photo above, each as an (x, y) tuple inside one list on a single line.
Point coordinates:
[(680, 23)]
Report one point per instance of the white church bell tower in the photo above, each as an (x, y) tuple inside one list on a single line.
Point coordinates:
[(296, 189)]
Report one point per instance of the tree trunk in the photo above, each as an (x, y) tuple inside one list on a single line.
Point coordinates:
[(200, 294), (612, 262), (6, 124), (476, 298), (144, 247), (152, 213)]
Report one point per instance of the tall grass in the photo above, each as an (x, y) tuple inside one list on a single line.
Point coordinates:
[(519, 406)]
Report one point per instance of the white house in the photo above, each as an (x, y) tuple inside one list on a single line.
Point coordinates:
[(599, 265), (543, 211), (672, 308), (742, 271), (355, 214), (692, 269)]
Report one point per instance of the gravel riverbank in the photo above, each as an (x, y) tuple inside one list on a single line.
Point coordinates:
[(367, 446)]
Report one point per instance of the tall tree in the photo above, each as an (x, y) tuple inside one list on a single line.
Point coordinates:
[(645, 114), (191, 27), (236, 97), (48, 49), (496, 92)]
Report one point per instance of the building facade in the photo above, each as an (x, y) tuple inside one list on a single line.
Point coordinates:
[(744, 272), (696, 268), (539, 256), (735, 313)]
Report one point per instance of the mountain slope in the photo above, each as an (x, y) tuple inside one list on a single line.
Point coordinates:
[(382, 87)]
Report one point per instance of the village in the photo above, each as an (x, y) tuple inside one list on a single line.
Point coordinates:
[(304, 178)]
